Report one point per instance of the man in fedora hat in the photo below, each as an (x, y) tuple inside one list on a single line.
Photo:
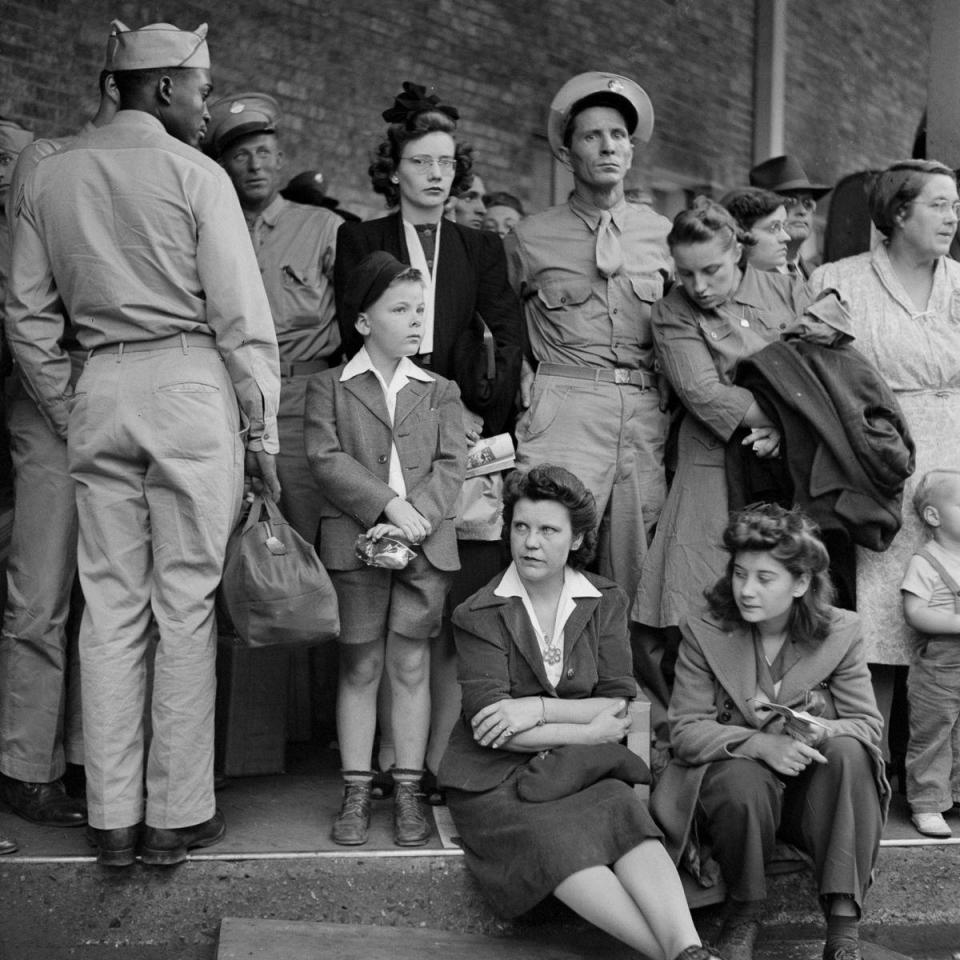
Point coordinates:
[(139, 239), (784, 176), (588, 272)]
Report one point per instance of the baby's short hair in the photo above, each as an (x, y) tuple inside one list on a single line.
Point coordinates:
[(931, 489)]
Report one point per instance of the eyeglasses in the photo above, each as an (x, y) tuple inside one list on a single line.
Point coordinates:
[(808, 203), (944, 207), (778, 226), (423, 163)]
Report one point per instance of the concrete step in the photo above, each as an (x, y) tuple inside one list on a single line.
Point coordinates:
[(73, 905)]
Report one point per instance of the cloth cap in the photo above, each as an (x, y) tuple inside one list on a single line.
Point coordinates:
[(367, 281), (600, 89), (156, 45), (783, 175), (306, 187), (239, 116), (13, 137)]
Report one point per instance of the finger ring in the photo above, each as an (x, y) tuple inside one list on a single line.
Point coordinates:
[(508, 732)]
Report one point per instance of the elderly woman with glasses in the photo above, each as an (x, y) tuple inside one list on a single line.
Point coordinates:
[(904, 300)]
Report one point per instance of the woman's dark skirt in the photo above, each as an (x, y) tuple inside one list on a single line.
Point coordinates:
[(519, 852)]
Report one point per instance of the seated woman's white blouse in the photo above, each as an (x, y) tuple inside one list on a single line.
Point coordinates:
[(575, 584)]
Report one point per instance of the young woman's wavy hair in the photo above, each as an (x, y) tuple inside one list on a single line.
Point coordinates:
[(791, 537), (386, 160), (704, 220), (546, 481)]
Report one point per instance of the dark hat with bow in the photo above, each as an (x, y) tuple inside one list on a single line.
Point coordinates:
[(414, 100)]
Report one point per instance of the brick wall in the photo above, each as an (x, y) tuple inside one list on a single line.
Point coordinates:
[(856, 74)]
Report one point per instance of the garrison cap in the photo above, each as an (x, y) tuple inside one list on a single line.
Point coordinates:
[(13, 137), (239, 116), (156, 45), (784, 175), (600, 89)]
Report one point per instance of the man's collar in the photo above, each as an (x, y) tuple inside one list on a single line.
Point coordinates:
[(270, 214), (590, 214)]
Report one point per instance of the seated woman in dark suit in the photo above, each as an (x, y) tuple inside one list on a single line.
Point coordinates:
[(770, 635), (544, 662)]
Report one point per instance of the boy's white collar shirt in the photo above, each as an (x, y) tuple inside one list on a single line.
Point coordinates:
[(575, 584), (406, 371)]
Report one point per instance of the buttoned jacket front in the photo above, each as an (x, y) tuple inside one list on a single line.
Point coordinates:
[(347, 436), (498, 657)]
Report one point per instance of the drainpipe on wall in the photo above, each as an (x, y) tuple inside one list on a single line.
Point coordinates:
[(769, 77)]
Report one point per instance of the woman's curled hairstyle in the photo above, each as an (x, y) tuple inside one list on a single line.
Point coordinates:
[(704, 220), (791, 537), (546, 481), (387, 158)]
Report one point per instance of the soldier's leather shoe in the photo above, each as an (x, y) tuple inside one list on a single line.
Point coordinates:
[(163, 847), (7, 845), (44, 803), (117, 847)]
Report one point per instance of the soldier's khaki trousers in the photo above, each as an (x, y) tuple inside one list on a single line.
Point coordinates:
[(155, 449)]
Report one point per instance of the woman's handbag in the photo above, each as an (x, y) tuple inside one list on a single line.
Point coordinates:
[(564, 771), (275, 591)]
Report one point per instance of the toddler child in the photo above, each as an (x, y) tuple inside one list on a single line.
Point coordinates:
[(385, 441), (931, 605)]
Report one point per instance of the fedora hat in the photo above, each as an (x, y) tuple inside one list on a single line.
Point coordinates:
[(784, 175)]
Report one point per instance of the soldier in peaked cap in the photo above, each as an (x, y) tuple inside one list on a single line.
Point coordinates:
[(295, 245), (589, 272), (133, 233), (785, 176), (41, 728)]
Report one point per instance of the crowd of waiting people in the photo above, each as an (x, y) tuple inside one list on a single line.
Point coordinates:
[(722, 452)]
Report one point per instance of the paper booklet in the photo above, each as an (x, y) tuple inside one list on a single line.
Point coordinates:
[(490, 455), (798, 724)]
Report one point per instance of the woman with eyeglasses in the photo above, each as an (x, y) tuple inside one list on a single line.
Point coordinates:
[(415, 167), (904, 300), (761, 216)]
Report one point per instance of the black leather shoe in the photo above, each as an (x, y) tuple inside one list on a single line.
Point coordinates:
[(7, 845), (411, 825), (353, 821), (117, 847), (44, 803), (164, 847)]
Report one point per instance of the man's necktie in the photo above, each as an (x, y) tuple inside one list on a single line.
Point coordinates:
[(609, 254)]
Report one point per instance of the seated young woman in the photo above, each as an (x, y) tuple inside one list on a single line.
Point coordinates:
[(742, 775), (544, 662)]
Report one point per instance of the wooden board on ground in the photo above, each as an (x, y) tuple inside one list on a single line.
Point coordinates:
[(242, 939)]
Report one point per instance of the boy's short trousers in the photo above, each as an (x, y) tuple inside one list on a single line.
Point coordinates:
[(373, 601)]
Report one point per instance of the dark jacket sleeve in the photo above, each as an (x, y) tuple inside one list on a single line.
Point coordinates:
[(353, 244), (499, 308), (614, 660), (483, 659)]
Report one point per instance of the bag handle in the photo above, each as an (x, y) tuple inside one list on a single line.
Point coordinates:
[(257, 507)]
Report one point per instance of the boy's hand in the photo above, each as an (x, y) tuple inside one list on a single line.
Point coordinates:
[(381, 530), (260, 468), (414, 526)]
